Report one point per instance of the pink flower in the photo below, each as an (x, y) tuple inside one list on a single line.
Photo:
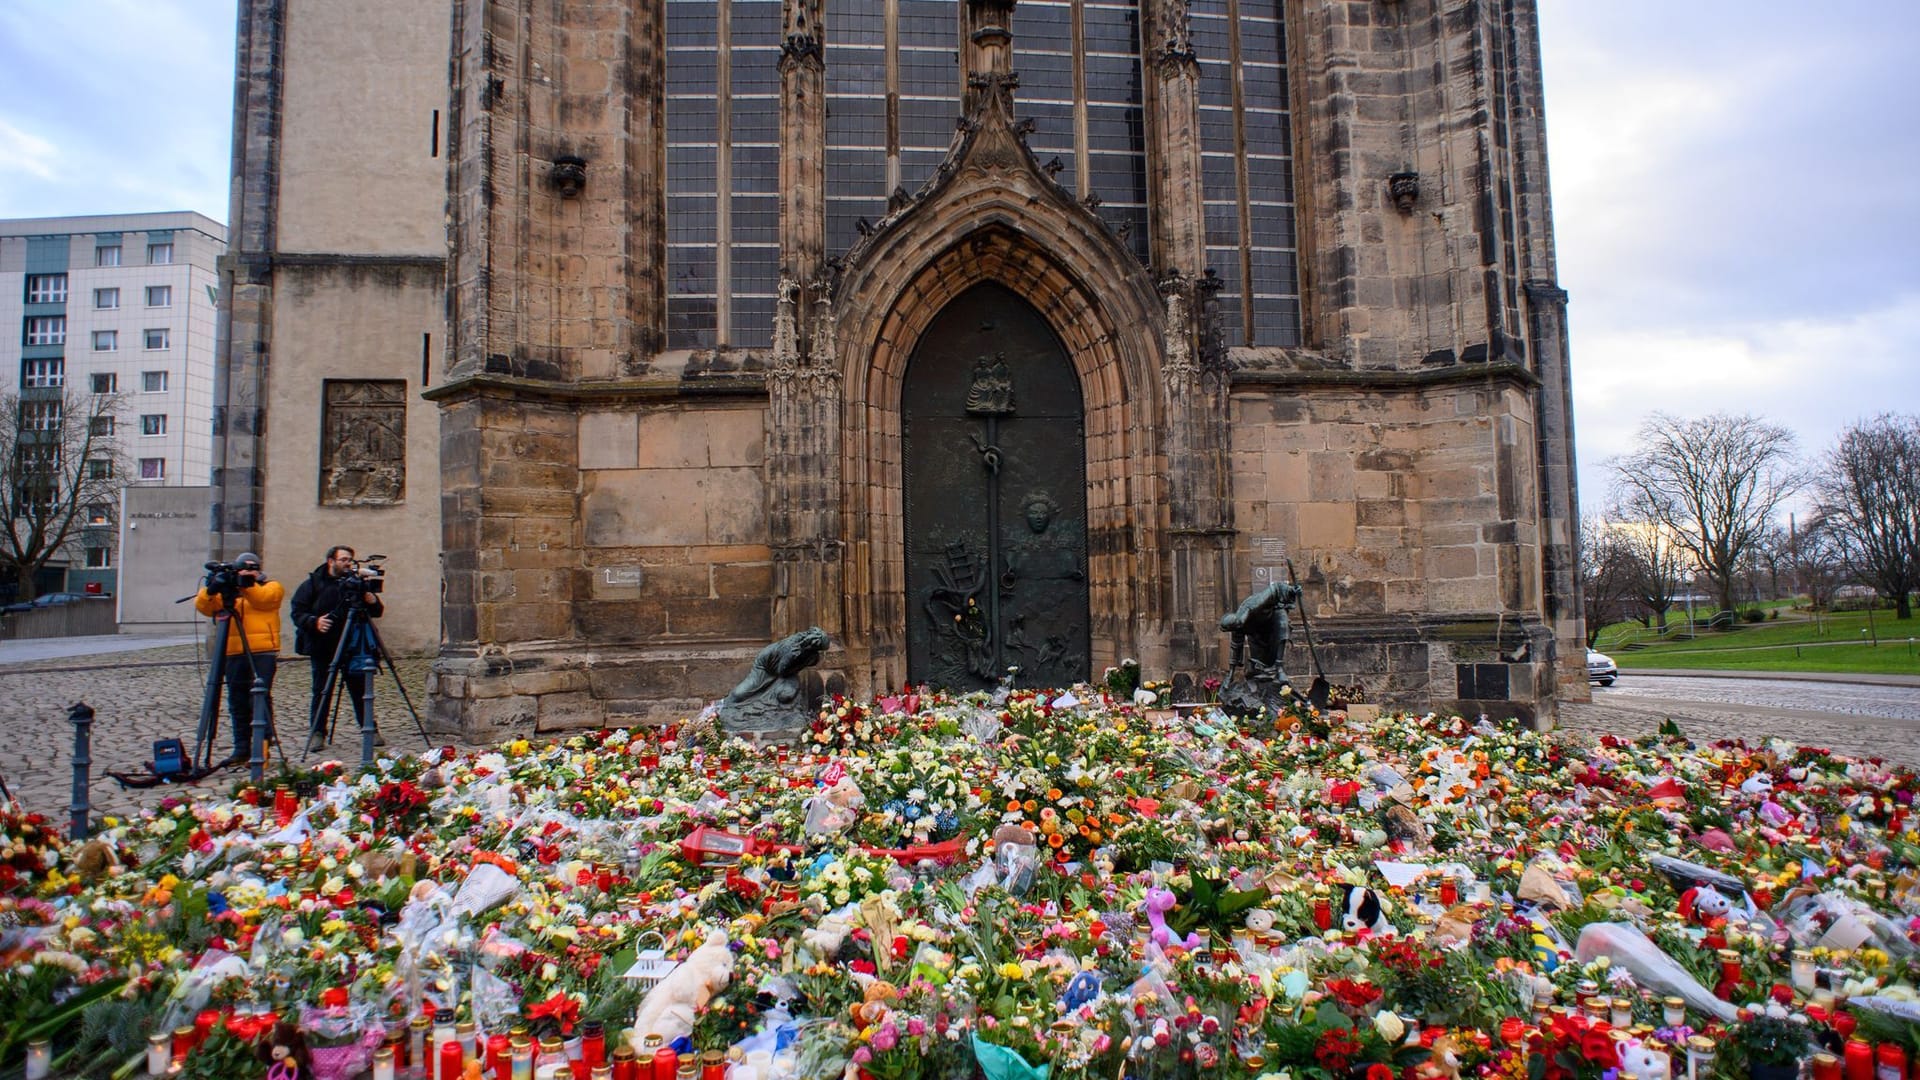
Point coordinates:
[(886, 1038), (862, 1055), (916, 1027)]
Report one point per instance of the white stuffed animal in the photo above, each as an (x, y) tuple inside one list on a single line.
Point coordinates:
[(668, 1009)]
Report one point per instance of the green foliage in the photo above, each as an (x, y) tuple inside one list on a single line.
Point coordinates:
[(1214, 906)]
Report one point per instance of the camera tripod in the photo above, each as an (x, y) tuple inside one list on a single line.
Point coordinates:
[(360, 644), (207, 734)]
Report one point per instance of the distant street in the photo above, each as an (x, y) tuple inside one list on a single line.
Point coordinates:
[(1866, 720)]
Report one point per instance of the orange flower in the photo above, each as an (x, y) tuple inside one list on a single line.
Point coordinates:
[(1013, 806), (1056, 840), (1031, 806), (1053, 794)]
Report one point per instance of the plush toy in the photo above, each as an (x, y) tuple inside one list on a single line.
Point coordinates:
[(1159, 902), (285, 1054), (1260, 921), (1705, 905), (1443, 1061), (825, 937), (1083, 988), (1643, 1061), (876, 1004), (669, 1008), (1360, 910), (96, 860), (835, 809)]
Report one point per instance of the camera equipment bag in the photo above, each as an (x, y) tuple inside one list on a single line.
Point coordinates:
[(169, 758)]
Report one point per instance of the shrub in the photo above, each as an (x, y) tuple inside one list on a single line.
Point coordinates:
[(1753, 615)]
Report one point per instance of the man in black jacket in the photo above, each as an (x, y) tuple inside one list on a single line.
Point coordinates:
[(319, 616)]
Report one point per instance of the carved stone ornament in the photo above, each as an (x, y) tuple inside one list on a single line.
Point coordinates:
[(1178, 368), (800, 36), (786, 330), (1174, 54), (363, 443), (770, 700), (991, 392)]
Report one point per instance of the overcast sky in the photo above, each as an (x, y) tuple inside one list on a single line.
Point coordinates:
[(1735, 186)]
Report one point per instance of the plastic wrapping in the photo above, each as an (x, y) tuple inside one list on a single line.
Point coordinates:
[(1836, 920), (485, 886), (1626, 946), (196, 987)]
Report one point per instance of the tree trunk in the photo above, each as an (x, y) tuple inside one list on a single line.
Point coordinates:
[(23, 575), (1903, 605)]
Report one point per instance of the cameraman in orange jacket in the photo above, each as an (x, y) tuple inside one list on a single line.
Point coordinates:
[(256, 615)]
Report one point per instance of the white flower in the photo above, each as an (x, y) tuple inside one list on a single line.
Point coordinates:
[(1389, 1025)]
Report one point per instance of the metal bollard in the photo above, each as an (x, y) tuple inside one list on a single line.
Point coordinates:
[(262, 716), (80, 715), (367, 729)]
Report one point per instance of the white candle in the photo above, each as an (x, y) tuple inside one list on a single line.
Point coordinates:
[(159, 1053), (39, 1059)]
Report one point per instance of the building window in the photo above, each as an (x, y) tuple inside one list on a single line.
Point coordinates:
[(363, 443), (99, 468), (97, 558), (40, 415), (153, 423), (106, 255), (46, 288), (153, 382), (153, 468), (160, 254), (159, 296), (106, 341), (40, 374), (47, 330), (103, 382), (106, 299), (36, 468), (99, 513), (100, 426), (157, 340)]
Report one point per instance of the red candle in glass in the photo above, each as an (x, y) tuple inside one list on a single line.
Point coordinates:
[(1512, 1031), (593, 1045), (1323, 913), (1859, 1060), (452, 1061), (1891, 1062), (500, 1056), (666, 1063), (203, 1024)]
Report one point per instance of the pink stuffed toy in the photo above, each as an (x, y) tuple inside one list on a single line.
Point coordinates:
[(1159, 902)]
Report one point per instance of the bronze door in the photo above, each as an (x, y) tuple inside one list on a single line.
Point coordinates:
[(996, 499)]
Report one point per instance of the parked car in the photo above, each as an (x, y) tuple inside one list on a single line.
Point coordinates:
[(47, 600), (1600, 668)]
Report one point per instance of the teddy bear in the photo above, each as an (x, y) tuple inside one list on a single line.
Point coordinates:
[(824, 938), (669, 1008), (1260, 921), (1643, 1061), (875, 1004), (835, 809)]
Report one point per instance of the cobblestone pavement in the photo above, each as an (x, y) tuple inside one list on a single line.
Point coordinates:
[(1866, 721), (144, 695), (138, 697)]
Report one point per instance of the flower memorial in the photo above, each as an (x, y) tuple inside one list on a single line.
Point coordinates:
[(1025, 884)]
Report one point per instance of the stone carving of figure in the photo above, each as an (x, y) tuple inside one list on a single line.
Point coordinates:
[(1260, 630), (770, 698), (992, 387)]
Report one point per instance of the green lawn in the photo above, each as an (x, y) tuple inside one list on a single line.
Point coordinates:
[(1794, 642)]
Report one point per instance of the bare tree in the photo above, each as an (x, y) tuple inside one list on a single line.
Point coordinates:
[(1716, 483), (1658, 564), (1869, 492), (58, 459), (1817, 558), (1608, 575)]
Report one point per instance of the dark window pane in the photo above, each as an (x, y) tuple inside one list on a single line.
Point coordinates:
[(1266, 129), (1113, 79), (1217, 173), (927, 123), (690, 271), (1044, 77), (1111, 30), (1273, 272), (755, 22), (1223, 223), (1042, 27), (1276, 320), (1272, 226)]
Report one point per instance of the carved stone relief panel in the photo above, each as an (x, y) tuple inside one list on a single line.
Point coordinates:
[(363, 442)]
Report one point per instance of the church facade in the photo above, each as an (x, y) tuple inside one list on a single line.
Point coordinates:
[(979, 336)]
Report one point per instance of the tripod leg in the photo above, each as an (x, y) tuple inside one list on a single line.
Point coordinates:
[(326, 704), (367, 729), (208, 731), (419, 725)]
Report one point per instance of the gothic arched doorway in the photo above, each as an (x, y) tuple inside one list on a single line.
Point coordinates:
[(994, 455)]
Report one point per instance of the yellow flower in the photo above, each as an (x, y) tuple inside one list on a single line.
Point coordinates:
[(1012, 971)]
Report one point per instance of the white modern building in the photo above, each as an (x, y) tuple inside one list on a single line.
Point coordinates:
[(118, 304)]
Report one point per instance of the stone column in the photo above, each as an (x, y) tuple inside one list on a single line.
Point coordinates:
[(244, 329), (803, 377), (1193, 378)]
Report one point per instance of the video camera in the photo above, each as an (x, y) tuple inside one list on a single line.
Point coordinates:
[(368, 577), (222, 580)]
